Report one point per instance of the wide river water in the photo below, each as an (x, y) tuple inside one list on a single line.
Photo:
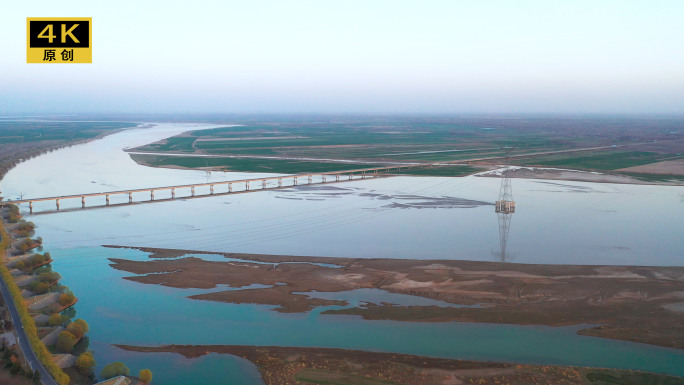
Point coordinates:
[(557, 222)]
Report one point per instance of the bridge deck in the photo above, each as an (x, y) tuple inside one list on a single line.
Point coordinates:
[(295, 177), (239, 181)]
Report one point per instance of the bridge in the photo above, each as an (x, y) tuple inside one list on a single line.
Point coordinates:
[(275, 182), (231, 186)]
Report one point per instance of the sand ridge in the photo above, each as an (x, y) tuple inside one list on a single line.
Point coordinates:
[(637, 303)]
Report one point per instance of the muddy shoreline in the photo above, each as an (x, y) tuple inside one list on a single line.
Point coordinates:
[(297, 365), (522, 173), (545, 173), (634, 303)]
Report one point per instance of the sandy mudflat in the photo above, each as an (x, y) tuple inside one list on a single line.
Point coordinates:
[(632, 302), (590, 176), (560, 174), (298, 365)]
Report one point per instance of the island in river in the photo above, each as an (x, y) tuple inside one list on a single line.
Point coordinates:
[(636, 303)]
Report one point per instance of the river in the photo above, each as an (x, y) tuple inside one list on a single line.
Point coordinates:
[(557, 222)]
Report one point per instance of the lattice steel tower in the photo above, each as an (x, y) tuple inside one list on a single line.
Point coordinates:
[(505, 206)]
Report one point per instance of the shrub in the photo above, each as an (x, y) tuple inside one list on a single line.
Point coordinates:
[(13, 214), (24, 225), (37, 259), (24, 228), (145, 375), (48, 277), (114, 369), (65, 342), (69, 313), (83, 325), (39, 287), (75, 330), (25, 245), (85, 363), (44, 269), (66, 298), (56, 319)]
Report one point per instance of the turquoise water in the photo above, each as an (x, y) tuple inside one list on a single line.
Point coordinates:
[(171, 368), (362, 297), (124, 312)]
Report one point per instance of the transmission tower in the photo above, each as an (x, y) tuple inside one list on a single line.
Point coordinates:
[(505, 206)]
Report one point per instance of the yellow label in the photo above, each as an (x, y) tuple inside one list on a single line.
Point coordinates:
[(59, 39)]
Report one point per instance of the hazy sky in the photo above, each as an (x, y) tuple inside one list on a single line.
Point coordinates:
[(354, 56)]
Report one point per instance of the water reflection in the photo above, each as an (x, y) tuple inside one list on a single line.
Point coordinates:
[(504, 220)]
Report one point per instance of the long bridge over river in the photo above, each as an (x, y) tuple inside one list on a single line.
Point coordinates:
[(226, 187), (259, 184)]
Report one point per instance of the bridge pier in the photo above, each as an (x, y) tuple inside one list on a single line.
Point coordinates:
[(351, 174)]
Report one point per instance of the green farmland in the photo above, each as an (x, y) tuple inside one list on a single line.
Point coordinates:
[(302, 145)]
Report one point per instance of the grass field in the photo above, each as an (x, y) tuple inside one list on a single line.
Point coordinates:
[(357, 139), (441, 171), (174, 144), (252, 165), (384, 140), (601, 161), (655, 177), (365, 143)]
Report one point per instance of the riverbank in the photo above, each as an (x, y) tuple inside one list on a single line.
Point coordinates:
[(544, 173), (35, 351), (288, 147), (38, 138), (296, 365), (634, 303), (239, 163)]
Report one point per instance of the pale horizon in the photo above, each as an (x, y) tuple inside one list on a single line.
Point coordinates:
[(357, 57)]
